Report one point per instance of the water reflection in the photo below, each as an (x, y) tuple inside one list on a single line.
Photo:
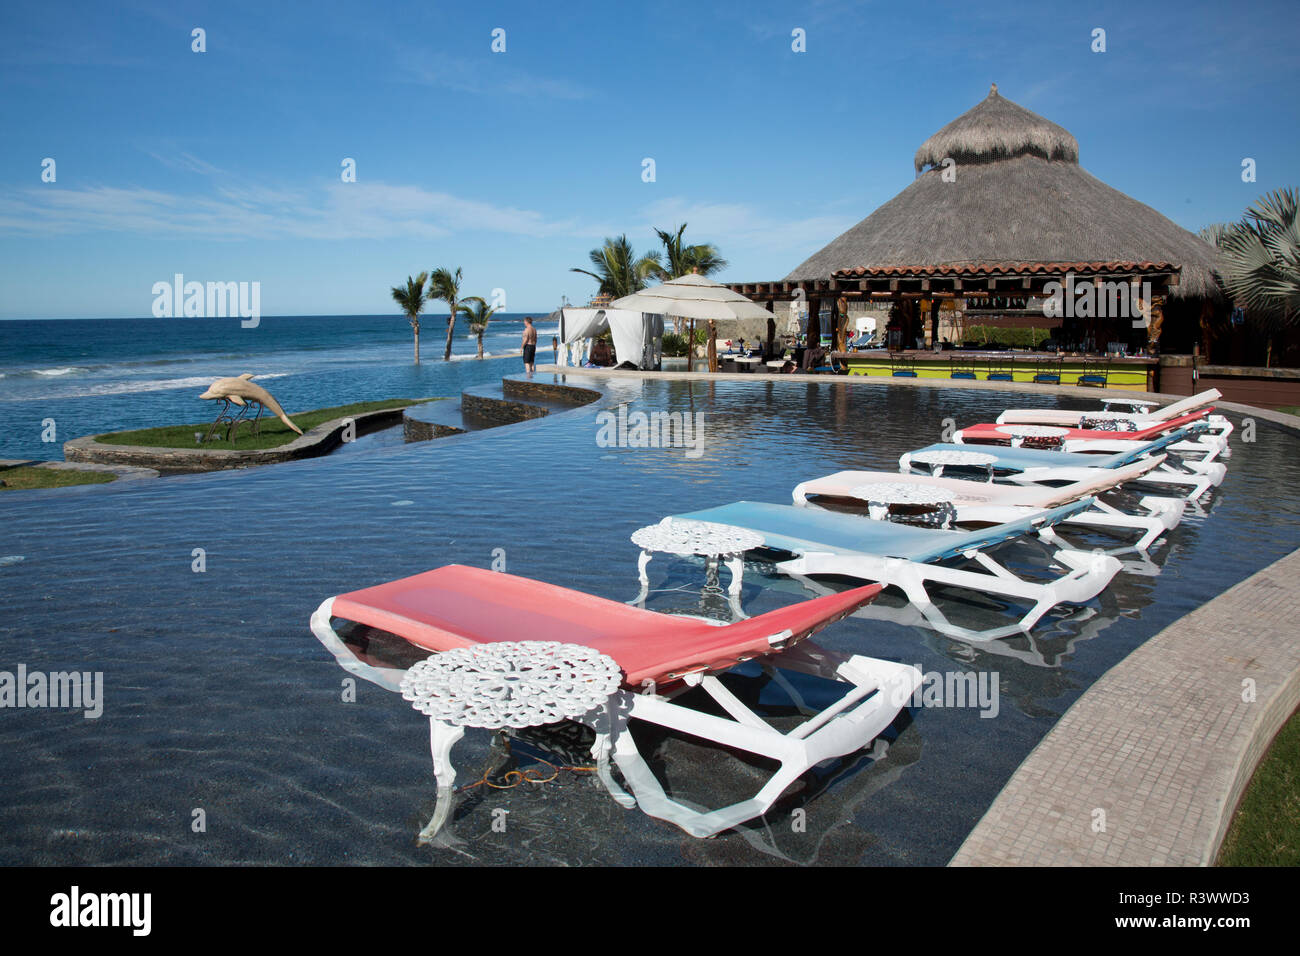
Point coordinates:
[(218, 695)]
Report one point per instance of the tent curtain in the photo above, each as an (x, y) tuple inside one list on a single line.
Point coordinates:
[(638, 337)]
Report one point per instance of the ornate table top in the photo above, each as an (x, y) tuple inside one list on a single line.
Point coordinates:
[(902, 493), (1108, 421), (1032, 431), (706, 538), (954, 458), (511, 683)]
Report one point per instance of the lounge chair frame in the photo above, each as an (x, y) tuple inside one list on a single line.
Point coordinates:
[(1084, 575), (877, 691), (1159, 514)]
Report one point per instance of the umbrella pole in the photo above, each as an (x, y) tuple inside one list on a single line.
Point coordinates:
[(690, 348)]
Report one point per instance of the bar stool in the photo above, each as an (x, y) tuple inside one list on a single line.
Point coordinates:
[(1002, 370), (960, 368), (1048, 371), (1095, 374)]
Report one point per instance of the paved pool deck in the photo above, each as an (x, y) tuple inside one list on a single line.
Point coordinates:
[(1148, 766)]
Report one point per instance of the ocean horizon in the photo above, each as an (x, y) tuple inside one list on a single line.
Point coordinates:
[(89, 376)]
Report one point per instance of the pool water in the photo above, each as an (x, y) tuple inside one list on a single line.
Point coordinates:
[(219, 699)]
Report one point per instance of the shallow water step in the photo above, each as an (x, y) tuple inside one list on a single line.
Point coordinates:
[(492, 402), (439, 419), (493, 405)]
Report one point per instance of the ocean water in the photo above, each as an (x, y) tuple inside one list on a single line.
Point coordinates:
[(95, 375)]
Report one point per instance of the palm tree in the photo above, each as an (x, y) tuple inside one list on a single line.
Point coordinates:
[(411, 299), (479, 314), (679, 259), (1259, 262), (618, 270), (444, 285)]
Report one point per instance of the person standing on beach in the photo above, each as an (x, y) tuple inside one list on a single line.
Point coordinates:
[(529, 343), (555, 348)]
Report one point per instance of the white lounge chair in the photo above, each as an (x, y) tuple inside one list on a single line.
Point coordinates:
[(1216, 425), (912, 558), (988, 503), (1036, 466), (1160, 413)]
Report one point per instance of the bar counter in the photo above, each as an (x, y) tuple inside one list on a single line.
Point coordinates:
[(1131, 373)]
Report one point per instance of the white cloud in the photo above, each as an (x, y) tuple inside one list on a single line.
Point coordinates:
[(493, 76), (733, 226), (188, 163), (329, 211)]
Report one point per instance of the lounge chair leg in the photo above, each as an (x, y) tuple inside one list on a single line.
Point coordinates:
[(644, 578), (778, 678), (442, 737), (736, 565), (601, 721)]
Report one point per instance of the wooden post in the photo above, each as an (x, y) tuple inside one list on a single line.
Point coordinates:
[(690, 348), (1157, 320), (814, 320), (1207, 317), (771, 330), (713, 346), (934, 322), (841, 323), (910, 309)]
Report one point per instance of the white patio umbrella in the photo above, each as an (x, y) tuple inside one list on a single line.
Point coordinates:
[(694, 297)]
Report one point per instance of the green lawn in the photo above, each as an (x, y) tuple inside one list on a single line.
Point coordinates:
[(1266, 828), (1290, 409), (273, 431), (27, 476)]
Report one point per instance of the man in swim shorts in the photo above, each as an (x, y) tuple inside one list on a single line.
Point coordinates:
[(529, 343)]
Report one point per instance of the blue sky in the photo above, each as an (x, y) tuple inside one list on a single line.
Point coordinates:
[(225, 165)]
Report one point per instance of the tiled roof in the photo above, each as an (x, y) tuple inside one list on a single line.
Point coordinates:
[(1011, 268)]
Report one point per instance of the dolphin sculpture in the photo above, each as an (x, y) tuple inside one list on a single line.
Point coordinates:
[(242, 390)]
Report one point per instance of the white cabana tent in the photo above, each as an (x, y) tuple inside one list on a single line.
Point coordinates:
[(638, 336), (695, 297)]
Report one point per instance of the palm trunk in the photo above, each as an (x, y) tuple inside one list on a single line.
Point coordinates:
[(417, 342), (480, 345), (451, 331)]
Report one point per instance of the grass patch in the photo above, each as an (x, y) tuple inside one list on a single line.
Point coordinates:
[(1290, 409), (1266, 828), (29, 476), (274, 432)]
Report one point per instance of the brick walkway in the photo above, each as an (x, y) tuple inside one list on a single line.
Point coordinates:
[(1160, 749)]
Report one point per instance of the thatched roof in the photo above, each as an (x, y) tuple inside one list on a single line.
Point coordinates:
[(995, 128), (1019, 196)]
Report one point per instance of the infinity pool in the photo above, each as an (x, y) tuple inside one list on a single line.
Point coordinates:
[(219, 699)]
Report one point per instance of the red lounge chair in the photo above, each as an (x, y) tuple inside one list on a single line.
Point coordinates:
[(991, 432), (660, 656)]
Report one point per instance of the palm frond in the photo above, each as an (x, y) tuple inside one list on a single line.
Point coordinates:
[(1259, 260)]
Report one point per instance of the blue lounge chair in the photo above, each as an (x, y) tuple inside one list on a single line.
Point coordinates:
[(909, 557), (1033, 465)]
